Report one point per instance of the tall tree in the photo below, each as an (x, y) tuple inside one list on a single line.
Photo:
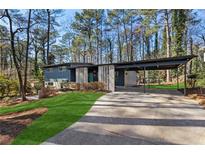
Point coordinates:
[(27, 48), (168, 40), (48, 33), (13, 50), (115, 22), (179, 18), (84, 25)]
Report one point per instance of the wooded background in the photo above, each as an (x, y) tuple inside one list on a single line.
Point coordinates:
[(30, 39)]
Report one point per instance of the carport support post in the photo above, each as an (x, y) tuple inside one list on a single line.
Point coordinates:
[(185, 92), (144, 80), (177, 78)]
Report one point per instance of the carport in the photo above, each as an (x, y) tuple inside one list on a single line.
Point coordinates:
[(159, 64)]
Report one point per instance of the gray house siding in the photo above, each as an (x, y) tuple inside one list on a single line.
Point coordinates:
[(57, 74)]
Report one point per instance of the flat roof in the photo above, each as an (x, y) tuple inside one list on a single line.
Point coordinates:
[(72, 65), (150, 64), (156, 64)]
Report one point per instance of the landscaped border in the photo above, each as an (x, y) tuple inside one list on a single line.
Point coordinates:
[(63, 111)]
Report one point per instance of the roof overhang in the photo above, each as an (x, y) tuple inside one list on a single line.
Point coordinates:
[(151, 64), (156, 64), (70, 65)]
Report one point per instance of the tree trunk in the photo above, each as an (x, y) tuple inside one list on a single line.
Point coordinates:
[(14, 56), (101, 42), (168, 43), (203, 38), (36, 60), (143, 47), (191, 53), (147, 42), (44, 53), (84, 53), (110, 52), (48, 35), (156, 43), (1, 60), (97, 35), (119, 43), (27, 49), (90, 46), (97, 49), (131, 42), (126, 38)]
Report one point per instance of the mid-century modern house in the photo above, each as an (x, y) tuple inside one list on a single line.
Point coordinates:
[(112, 75)]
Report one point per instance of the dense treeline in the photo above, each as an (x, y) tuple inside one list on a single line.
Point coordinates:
[(30, 39), (127, 35)]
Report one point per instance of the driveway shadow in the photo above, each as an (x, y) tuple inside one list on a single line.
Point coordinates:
[(144, 121), (150, 106), (73, 137)]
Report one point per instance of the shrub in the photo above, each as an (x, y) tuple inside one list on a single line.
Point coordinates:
[(6, 101), (201, 83), (78, 86), (200, 79), (2, 87), (101, 86), (65, 84), (28, 88), (70, 86), (46, 92), (13, 88), (85, 86), (96, 86), (52, 92), (8, 87), (38, 86)]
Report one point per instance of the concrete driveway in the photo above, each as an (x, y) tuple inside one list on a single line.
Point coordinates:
[(158, 117)]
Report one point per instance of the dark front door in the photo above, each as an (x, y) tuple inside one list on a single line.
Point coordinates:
[(92, 74), (72, 75), (119, 78)]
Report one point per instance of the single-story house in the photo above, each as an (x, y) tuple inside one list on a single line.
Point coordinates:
[(112, 75)]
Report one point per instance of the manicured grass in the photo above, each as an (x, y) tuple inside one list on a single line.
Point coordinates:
[(63, 110), (169, 87)]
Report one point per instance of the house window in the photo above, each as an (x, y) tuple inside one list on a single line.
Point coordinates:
[(50, 83), (50, 69), (62, 68)]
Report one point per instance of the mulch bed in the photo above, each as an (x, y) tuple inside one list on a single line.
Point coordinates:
[(199, 98), (197, 94), (12, 101), (12, 124), (196, 90)]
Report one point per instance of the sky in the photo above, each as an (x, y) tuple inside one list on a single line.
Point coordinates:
[(68, 16), (66, 19)]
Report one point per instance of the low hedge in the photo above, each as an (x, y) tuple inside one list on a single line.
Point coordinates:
[(95, 86)]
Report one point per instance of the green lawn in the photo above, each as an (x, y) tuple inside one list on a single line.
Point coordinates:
[(63, 110), (170, 87)]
